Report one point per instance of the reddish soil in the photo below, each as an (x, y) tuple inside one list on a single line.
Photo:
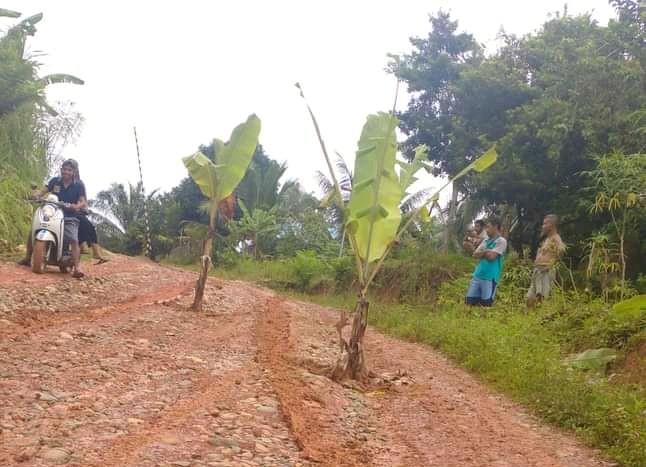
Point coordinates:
[(113, 370)]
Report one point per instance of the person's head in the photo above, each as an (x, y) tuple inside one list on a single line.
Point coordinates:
[(70, 170), (493, 226), (479, 225), (550, 224)]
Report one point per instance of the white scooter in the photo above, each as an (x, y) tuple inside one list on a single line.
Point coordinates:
[(48, 242)]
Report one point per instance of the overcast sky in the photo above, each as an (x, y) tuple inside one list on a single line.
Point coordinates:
[(186, 72)]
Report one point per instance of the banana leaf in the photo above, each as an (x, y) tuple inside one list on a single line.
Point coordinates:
[(234, 157), (203, 173), (481, 164), (373, 210), (217, 181)]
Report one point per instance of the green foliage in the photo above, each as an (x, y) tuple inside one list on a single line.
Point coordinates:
[(121, 221), (373, 214), (414, 276), (304, 225), (310, 272), (260, 187), (257, 226), (552, 100), (218, 179), (22, 103)]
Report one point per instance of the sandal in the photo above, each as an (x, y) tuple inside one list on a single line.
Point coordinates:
[(101, 261), (77, 274), (24, 262)]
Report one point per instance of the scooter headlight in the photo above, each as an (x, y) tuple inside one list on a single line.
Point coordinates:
[(48, 211)]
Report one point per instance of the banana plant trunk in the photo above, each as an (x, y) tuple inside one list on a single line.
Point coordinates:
[(205, 261), (352, 363)]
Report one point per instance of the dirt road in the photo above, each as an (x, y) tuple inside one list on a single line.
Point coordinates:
[(114, 371)]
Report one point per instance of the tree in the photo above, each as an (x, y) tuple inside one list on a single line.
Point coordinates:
[(551, 100), (619, 185), (119, 217), (260, 188), (218, 180), (55, 132), (372, 219), (330, 201), (22, 103), (304, 224)]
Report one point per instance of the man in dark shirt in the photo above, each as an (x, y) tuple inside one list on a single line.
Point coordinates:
[(70, 191)]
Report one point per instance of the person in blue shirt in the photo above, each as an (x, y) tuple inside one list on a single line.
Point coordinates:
[(486, 276)]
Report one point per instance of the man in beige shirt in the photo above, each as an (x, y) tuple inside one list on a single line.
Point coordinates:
[(548, 255)]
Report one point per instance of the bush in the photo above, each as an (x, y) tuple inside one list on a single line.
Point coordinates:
[(415, 275), (311, 273)]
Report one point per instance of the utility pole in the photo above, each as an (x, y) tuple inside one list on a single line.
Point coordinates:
[(149, 248)]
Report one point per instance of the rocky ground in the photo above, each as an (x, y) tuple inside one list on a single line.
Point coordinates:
[(113, 370)]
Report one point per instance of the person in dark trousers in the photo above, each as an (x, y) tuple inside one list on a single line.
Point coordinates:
[(70, 191), (87, 235), (486, 277)]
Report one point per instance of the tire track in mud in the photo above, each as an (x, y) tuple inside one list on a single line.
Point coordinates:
[(311, 420)]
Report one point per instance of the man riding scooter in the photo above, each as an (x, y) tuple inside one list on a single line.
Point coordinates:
[(72, 192)]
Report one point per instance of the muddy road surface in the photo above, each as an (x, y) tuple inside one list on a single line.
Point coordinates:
[(113, 370)]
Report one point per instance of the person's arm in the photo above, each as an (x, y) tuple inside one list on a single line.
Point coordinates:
[(81, 204), (498, 249), (480, 251), (491, 254)]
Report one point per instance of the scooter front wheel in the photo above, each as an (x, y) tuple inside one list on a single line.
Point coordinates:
[(38, 260)]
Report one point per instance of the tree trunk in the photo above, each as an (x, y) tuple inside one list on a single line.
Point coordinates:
[(622, 235), (205, 261), (352, 363), (450, 220)]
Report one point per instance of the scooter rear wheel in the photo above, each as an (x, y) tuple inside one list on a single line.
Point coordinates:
[(38, 260)]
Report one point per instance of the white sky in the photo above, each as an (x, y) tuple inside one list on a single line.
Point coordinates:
[(185, 72)]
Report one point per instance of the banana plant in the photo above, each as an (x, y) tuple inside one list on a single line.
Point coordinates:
[(373, 219), (217, 180)]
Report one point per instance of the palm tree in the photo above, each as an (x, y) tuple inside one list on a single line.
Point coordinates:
[(260, 188), (121, 206), (344, 177), (19, 83)]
